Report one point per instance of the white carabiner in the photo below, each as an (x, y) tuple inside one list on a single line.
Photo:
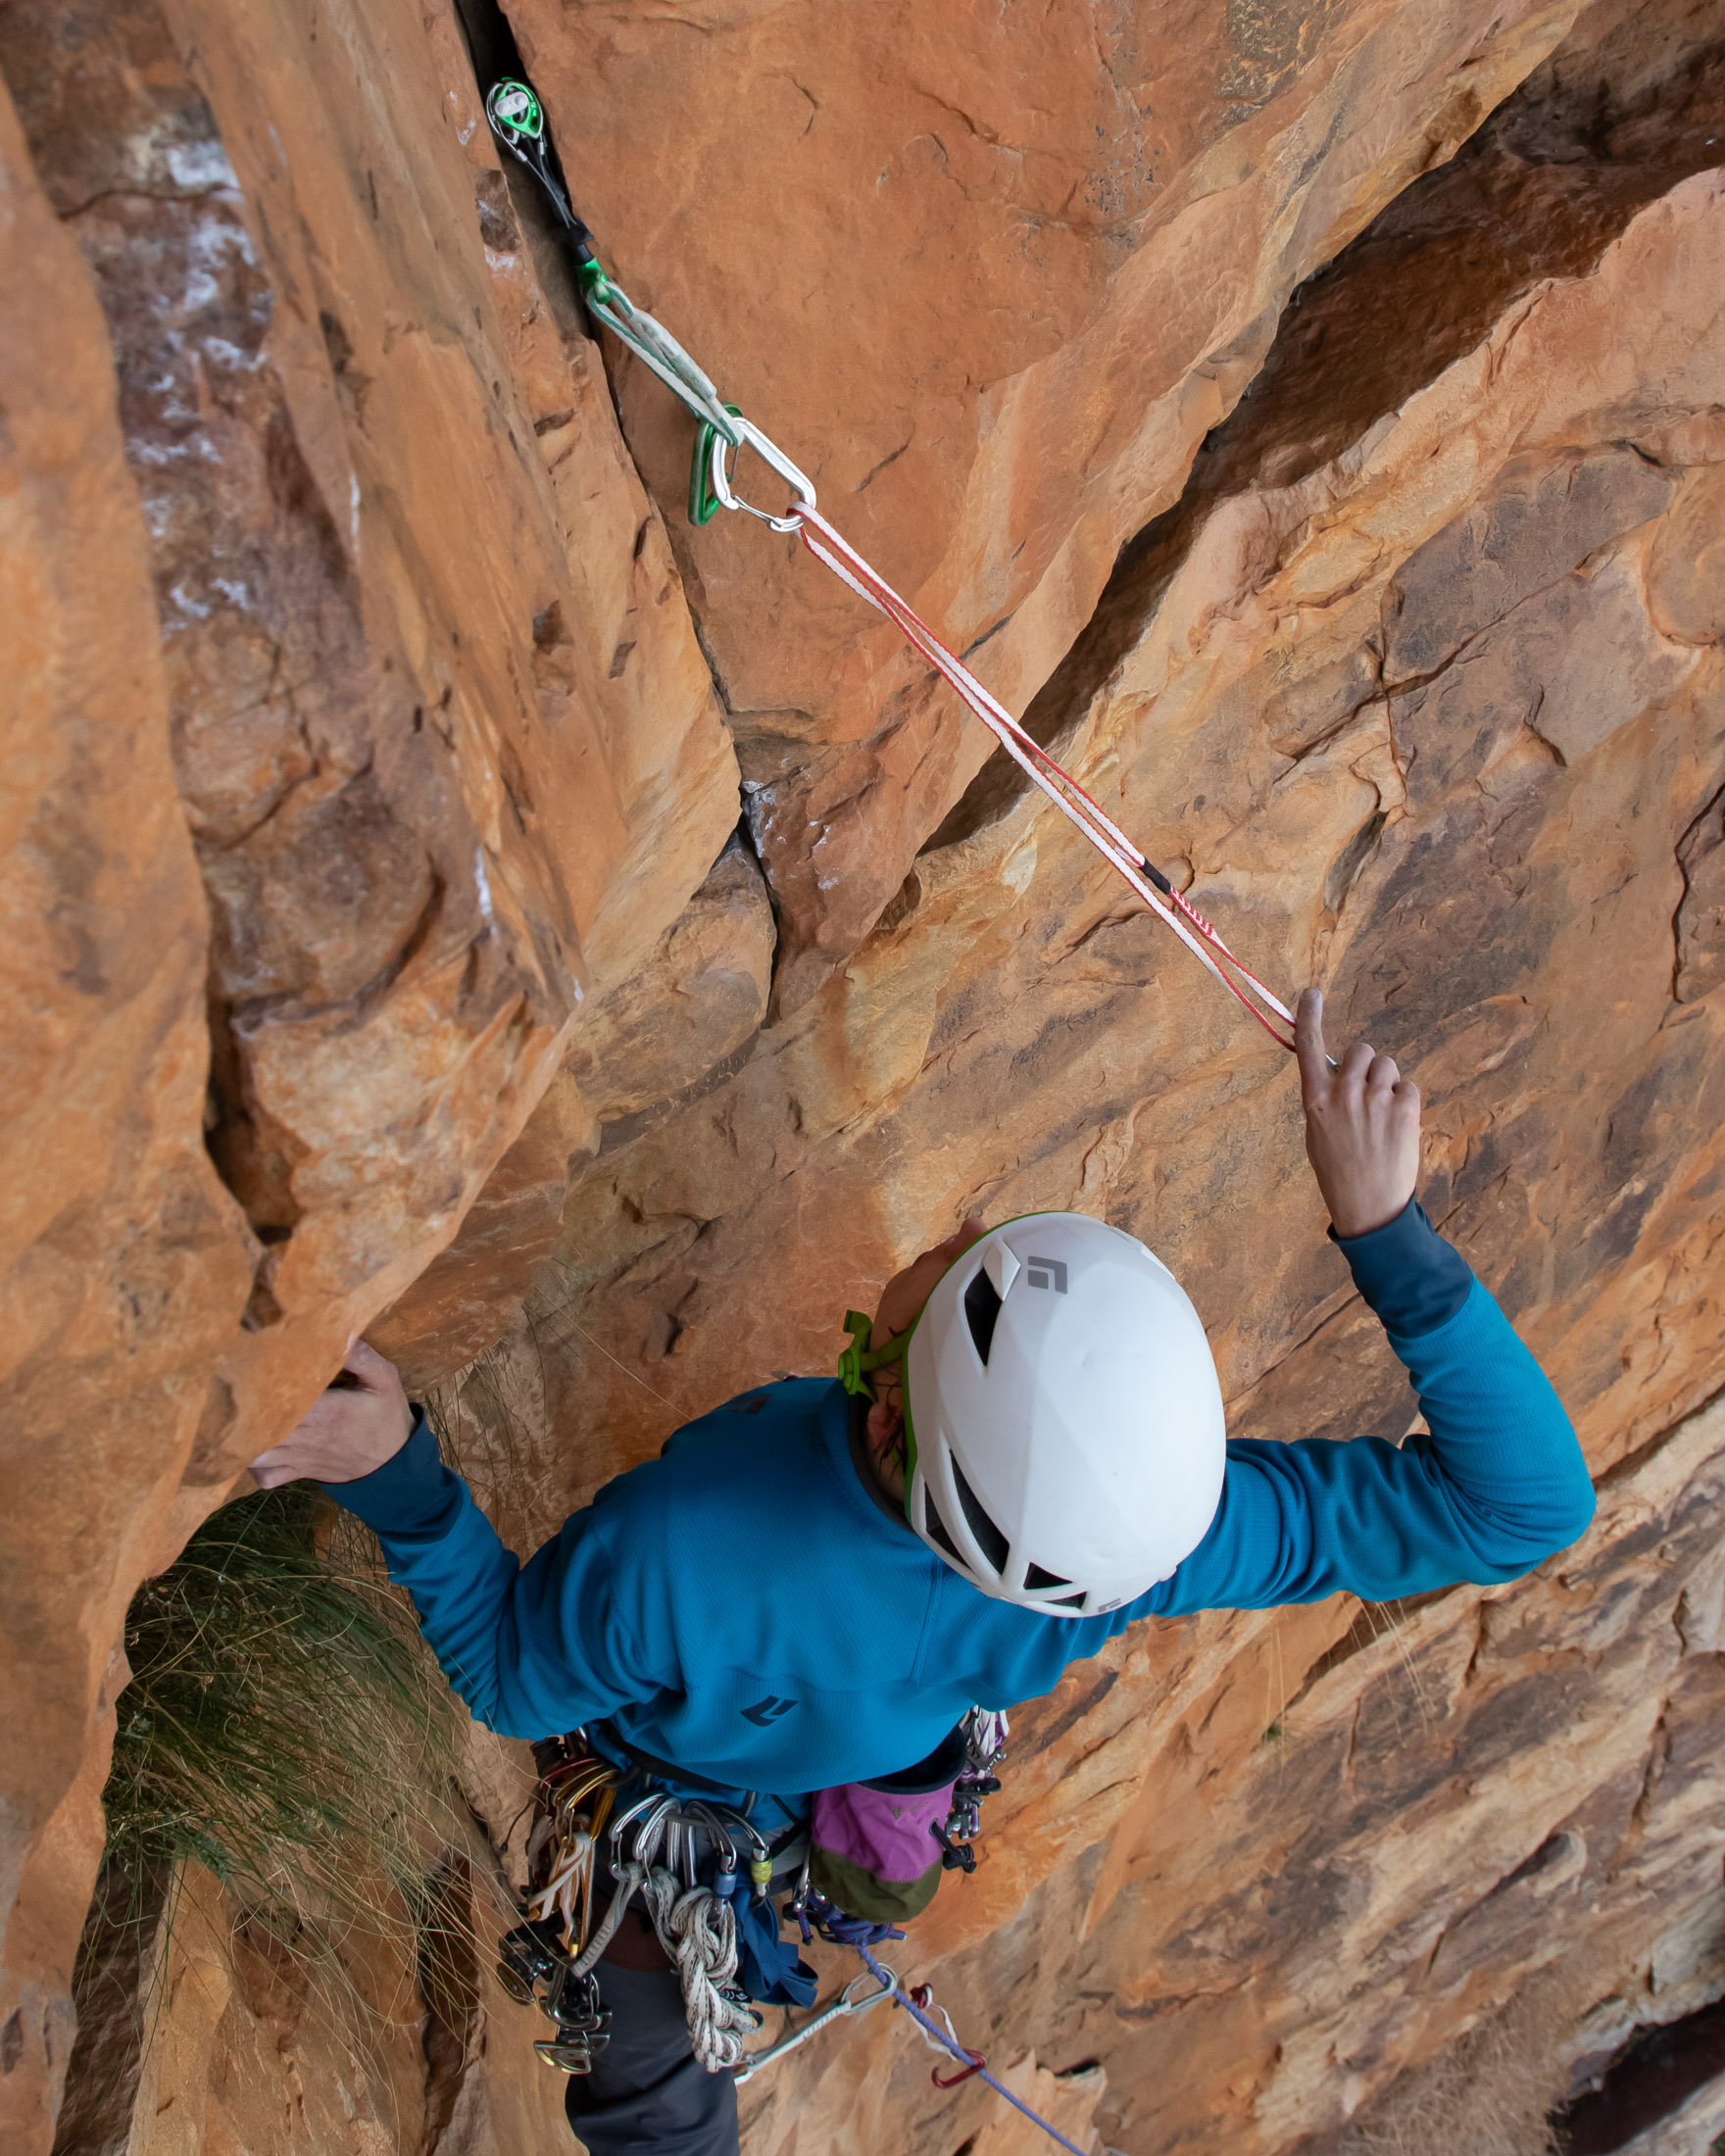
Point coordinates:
[(844, 2004), (769, 453)]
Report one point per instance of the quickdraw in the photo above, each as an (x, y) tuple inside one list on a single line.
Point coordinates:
[(722, 431), (919, 2005)]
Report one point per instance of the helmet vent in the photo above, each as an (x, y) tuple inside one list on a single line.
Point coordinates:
[(1036, 1577), (982, 1308), (990, 1539), (937, 1527)]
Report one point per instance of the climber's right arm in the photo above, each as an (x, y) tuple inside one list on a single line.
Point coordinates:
[(532, 1649), (1494, 1487)]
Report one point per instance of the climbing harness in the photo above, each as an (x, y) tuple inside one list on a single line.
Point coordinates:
[(723, 432), (658, 1847)]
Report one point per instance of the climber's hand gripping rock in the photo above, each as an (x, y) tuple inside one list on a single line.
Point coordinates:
[(1361, 1126), (353, 1428)]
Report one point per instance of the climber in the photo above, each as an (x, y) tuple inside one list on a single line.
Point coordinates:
[(812, 1587)]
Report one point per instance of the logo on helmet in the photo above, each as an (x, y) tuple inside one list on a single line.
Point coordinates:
[(1041, 1268)]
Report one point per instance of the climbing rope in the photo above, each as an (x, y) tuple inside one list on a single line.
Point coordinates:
[(1061, 788), (697, 1930), (920, 2007), (518, 122)]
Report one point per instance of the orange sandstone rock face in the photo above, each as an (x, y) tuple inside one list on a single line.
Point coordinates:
[(127, 1263), (1422, 717), (361, 721), (689, 1012), (362, 593), (379, 667), (988, 277)]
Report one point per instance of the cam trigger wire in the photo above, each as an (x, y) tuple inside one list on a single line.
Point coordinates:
[(723, 432)]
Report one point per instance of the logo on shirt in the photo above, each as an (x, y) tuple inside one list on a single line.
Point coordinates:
[(766, 1710)]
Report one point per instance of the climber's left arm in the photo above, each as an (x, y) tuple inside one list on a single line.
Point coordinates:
[(531, 1649), (1497, 1486), (1500, 1483)]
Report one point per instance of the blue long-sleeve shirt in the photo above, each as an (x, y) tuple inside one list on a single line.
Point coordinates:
[(745, 1606)]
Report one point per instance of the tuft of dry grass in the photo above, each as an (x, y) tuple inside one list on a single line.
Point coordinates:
[(283, 1724), (1489, 2093), (287, 1728)]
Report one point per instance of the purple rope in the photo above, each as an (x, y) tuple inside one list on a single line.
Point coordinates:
[(833, 1924), (884, 1975), (855, 1932)]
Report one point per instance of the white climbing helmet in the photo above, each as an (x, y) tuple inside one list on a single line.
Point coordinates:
[(1065, 1417)]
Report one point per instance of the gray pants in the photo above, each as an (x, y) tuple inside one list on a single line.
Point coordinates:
[(646, 2096)]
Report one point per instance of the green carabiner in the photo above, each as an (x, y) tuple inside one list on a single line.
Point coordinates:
[(703, 500)]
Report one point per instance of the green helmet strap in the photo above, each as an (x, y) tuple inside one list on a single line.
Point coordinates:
[(856, 1361), (859, 1357)]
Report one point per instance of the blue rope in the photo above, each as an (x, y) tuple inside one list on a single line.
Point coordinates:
[(884, 1975)]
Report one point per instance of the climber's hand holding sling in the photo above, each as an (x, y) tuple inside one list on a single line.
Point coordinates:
[(353, 1426), (1361, 1126)]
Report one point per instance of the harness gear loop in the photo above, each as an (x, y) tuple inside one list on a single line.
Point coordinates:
[(859, 1357)]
